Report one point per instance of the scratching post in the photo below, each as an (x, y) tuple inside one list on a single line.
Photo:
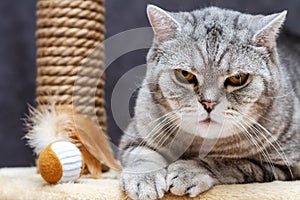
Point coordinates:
[(70, 56), (70, 90)]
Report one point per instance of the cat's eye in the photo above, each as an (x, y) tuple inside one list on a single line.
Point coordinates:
[(237, 80), (185, 76)]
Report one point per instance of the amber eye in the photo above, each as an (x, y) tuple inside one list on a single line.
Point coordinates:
[(185, 76), (237, 80)]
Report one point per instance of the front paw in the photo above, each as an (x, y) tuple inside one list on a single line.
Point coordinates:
[(187, 177), (144, 186)]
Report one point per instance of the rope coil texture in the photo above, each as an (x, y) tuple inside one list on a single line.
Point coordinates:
[(70, 56)]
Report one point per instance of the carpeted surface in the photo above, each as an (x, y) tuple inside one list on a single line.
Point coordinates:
[(25, 183)]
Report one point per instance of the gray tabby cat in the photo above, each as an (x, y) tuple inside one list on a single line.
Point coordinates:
[(219, 105)]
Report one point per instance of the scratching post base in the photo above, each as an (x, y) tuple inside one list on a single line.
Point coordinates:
[(25, 183)]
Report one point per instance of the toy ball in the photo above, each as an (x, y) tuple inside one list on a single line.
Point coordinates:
[(60, 162)]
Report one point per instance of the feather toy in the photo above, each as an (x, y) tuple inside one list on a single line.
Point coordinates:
[(48, 128)]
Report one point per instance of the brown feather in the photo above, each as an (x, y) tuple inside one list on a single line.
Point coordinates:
[(93, 165), (93, 140)]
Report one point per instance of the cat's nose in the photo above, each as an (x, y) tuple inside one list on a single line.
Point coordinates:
[(208, 105)]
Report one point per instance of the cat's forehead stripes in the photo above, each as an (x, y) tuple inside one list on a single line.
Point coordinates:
[(210, 21), (206, 28), (212, 44)]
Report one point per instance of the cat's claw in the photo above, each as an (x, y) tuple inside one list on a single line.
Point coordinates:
[(144, 186), (186, 178)]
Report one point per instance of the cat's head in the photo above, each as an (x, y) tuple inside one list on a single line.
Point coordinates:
[(216, 69)]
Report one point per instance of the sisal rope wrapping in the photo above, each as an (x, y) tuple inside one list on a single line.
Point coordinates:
[(70, 56)]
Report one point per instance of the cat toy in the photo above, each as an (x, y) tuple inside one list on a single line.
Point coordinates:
[(66, 141), (67, 129)]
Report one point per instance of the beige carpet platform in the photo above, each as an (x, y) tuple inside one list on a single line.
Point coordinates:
[(25, 183)]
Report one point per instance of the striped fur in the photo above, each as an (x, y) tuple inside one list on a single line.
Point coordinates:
[(253, 132)]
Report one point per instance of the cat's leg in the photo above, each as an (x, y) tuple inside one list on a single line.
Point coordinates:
[(144, 174), (192, 177)]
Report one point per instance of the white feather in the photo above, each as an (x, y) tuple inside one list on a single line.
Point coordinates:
[(42, 128)]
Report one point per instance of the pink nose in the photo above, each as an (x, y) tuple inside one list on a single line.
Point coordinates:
[(208, 106)]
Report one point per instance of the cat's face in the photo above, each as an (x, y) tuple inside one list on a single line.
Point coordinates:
[(215, 69)]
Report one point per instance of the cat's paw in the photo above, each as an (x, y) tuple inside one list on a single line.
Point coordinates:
[(144, 186), (186, 177)]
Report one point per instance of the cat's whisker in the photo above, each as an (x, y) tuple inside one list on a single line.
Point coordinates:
[(263, 117), (274, 139), (280, 152), (170, 127), (163, 118), (283, 156), (256, 134), (167, 116), (162, 140), (284, 95), (158, 129), (253, 140)]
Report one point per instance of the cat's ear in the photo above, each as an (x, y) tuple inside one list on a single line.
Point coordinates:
[(271, 24), (165, 27)]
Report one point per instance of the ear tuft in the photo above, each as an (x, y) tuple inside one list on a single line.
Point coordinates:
[(267, 35), (164, 25)]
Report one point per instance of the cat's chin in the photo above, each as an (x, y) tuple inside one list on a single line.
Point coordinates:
[(209, 129)]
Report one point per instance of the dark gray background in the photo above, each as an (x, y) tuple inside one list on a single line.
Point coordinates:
[(17, 57)]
